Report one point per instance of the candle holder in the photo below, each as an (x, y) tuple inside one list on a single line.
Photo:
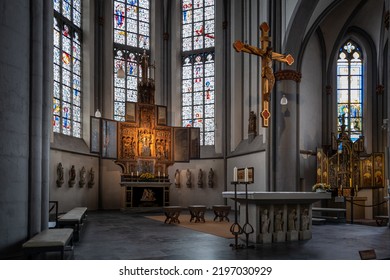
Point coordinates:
[(247, 227), (235, 228)]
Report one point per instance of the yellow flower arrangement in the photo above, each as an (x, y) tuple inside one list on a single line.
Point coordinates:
[(321, 186), (146, 176)]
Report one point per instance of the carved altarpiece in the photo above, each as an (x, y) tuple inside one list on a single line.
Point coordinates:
[(145, 141), (347, 168)]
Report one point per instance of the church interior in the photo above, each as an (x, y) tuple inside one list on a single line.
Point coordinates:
[(134, 107)]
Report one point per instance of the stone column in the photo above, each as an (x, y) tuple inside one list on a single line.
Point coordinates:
[(25, 90), (285, 142)]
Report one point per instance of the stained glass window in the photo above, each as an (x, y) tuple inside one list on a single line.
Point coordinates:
[(67, 93), (350, 90), (198, 106), (131, 38)]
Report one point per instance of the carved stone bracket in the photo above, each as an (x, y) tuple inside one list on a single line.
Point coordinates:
[(290, 75), (328, 90)]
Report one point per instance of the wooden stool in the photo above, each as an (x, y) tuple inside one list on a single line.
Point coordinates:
[(197, 213), (221, 212), (172, 214)]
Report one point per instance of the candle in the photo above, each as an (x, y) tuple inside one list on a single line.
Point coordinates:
[(158, 173), (164, 174), (137, 173), (132, 174), (246, 175), (235, 174)]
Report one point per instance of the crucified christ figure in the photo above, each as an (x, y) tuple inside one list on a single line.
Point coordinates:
[(267, 75)]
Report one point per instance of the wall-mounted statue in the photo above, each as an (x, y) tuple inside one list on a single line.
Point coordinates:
[(188, 175), (91, 179), (211, 178), (60, 175), (83, 177), (72, 177), (200, 178), (252, 123), (177, 178)]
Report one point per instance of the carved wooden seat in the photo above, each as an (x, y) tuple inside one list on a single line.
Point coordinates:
[(197, 213), (221, 212), (172, 214)]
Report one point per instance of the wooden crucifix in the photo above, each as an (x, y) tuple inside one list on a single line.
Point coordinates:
[(267, 75)]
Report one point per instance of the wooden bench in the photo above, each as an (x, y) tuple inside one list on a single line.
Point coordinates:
[(50, 240), (74, 219), (340, 214), (318, 221)]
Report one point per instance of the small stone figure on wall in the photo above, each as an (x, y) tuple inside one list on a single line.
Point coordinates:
[(200, 178), (188, 175), (177, 178), (83, 177), (211, 178), (72, 177), (91, 180), (60, 175)]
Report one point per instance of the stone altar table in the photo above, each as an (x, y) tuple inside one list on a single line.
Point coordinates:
[(278, 216)]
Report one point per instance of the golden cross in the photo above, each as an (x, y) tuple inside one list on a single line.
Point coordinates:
[(267, 75)]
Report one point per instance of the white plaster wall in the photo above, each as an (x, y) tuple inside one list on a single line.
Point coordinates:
[(111, 193), (67, 197), (185, 196), (310, 114), (258, 162)]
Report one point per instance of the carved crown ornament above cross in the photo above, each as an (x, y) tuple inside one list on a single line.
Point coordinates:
[(267, 75)]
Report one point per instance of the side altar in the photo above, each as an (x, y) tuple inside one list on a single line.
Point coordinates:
[(147, 146), (277, 216)]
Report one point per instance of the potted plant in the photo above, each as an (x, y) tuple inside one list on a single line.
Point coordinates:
[(321, 187)]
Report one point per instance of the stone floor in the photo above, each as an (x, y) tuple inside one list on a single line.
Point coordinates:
[(115, 235)]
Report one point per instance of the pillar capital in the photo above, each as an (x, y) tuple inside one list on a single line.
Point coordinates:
[(290, 75)]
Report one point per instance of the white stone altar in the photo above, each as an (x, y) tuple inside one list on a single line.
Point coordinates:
[(277, 216)]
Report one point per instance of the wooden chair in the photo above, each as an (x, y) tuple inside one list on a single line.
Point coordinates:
[(367, 254)]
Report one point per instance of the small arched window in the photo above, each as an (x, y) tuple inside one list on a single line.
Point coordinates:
[(350, 90), (67, 93)]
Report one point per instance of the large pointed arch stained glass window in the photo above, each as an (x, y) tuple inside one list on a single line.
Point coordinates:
[(131, 38), (350, 90), (67, 93), (198, 106)]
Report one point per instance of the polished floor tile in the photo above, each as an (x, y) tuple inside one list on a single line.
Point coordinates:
[(116, 235)]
